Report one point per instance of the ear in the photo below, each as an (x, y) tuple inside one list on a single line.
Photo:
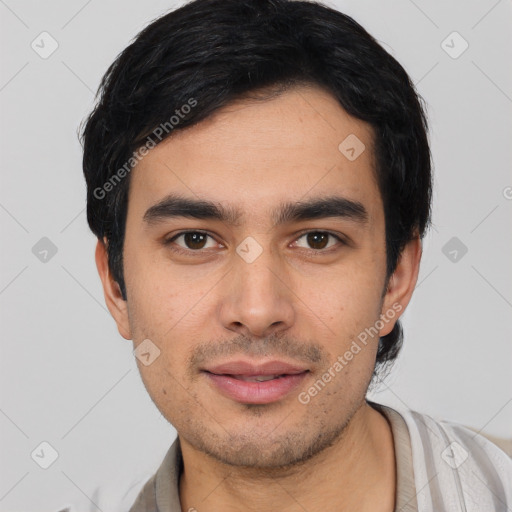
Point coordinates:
[(402, 283), (113, 297)]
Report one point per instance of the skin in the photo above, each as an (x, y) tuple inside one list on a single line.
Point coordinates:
[(294, 302)]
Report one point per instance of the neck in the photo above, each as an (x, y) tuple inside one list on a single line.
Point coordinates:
[(356, 473)]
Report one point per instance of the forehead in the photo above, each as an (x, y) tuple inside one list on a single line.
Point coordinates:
[(251, 153)]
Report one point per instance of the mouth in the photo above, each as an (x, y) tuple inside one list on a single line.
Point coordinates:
[(250, 383), (255, 378)]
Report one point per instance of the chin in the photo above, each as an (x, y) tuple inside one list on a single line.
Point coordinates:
[(286, 451)]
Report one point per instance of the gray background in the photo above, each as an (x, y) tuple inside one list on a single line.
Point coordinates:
[(68, 378)]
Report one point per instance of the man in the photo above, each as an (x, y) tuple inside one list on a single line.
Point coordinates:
[(259, 181)]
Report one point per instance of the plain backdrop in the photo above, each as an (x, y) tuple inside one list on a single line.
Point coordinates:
[(69, 379)]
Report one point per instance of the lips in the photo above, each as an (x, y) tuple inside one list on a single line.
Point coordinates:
[(255, 378), (246, 368), (251, 383)]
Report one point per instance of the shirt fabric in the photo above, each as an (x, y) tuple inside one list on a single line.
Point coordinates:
[(441, 467)]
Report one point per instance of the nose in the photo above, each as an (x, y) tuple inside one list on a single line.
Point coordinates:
[(258, 300)]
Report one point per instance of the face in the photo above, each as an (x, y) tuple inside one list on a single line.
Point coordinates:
[(250, 297)]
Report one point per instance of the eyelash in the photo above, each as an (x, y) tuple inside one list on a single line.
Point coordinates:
[(180, 250)]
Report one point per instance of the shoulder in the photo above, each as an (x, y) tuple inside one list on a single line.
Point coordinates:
[(138, 493), (458, 468)]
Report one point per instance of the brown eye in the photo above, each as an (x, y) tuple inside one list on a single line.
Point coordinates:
[(319, 240), (192, 240)]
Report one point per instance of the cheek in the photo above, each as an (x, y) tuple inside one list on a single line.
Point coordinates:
[(166, 389), (166, 309), (157, 296), (351, 308), (348, 299)]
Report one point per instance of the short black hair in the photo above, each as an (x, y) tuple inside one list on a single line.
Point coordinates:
[(198, 58)]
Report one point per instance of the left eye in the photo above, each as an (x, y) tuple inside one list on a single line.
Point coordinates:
[(319, 240)]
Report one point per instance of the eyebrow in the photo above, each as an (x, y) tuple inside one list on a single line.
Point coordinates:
[(173, 206)]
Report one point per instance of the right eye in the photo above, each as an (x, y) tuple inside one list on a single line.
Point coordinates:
[(191, 241)]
